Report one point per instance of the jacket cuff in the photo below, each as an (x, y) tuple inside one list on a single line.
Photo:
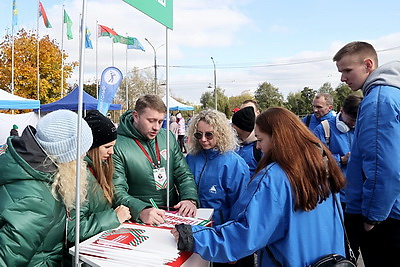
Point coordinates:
[(366, 220), (186, 241)]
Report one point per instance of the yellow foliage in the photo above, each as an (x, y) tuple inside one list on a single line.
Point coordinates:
[(25, 66)]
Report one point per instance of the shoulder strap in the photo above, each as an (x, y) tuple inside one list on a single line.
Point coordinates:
[(327, 131), (256, 152), (351, 253), (308, 119)]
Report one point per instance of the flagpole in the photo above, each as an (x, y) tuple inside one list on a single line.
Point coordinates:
[(112, 52), (78, 150), (167, 102), (126, 75), (37, 53), (62, 51), (12, 52), (12, 58), (97, 50)]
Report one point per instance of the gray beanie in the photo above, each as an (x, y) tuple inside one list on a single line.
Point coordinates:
[(57, 134)]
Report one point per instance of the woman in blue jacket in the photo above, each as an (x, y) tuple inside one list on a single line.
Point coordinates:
[(220, 173), (287, 209)]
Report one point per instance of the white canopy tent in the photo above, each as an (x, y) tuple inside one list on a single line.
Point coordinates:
[(21, 120), (176, 105), (10, 101)]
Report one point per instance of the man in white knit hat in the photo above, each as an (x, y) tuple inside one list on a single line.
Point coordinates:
[(37, 189)]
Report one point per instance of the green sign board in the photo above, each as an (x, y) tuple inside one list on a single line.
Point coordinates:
[(160, 10)]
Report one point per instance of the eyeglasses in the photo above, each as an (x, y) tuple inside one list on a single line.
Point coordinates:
[(208, 135)]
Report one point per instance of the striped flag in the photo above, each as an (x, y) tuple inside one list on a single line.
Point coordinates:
[(15, 14), (105, 31), (88, 42), (42, 13)]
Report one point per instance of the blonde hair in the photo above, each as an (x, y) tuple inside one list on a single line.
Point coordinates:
[(64, 183), (225, 134)]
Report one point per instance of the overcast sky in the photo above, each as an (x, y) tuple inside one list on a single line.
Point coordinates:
[(289, 44)]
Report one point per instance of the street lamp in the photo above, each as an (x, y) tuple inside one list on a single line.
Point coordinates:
[(215, 84), (155, 64)]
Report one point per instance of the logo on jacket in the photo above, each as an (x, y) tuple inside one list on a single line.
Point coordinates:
[(164, 154), (213, 189), (3, 149)]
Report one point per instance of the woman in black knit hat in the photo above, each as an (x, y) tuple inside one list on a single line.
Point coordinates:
[(97, 214)]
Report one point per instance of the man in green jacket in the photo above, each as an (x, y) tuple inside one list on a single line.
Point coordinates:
[(140, 161), (37, 188)]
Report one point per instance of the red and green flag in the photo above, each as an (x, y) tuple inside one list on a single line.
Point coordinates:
[(105, 31), (68, 21), (42, 13)]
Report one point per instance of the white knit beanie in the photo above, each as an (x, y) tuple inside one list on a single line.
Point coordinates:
[(57, 134)]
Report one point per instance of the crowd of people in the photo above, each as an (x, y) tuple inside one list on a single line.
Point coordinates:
[(270, 177)]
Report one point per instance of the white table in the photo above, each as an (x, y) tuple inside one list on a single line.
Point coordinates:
[(166, 240)]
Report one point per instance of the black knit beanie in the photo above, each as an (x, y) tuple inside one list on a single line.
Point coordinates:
[(244, 119), (103, 130)]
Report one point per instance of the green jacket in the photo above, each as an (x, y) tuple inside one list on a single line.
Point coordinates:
[(97, 214), (133, 177), (32, 221)]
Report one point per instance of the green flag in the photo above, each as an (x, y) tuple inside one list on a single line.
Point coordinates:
[(68, 21)]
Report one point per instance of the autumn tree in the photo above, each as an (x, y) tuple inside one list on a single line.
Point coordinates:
[(25, 66), (134, 85), (236, 101), (207, 100), (268, 96)]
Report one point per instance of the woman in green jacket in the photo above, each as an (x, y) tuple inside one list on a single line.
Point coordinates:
[(37, 187), (97, 214)]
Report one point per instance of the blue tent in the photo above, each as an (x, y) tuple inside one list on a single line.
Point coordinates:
[(10, 101), (70, 102)]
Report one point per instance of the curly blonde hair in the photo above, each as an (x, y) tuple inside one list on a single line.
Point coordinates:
[(64, 184), (223, 132)]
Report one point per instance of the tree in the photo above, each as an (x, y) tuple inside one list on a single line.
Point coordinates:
[(268, 96), (25, 66), (134, 85), (327, 88), (207, 100), (295, 104), (236, 101), (341, 92), (307, 97)]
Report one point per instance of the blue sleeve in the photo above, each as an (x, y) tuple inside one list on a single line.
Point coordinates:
[(241, 237), (320, 133), (378, 143)]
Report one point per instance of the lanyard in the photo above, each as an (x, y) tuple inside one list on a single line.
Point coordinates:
[(147, 155)]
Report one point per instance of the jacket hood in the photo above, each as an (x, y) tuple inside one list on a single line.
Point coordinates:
[(387, 74), (21, 158), (126, 127)]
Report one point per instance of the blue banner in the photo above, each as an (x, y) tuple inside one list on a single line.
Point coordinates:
[(110, 81)]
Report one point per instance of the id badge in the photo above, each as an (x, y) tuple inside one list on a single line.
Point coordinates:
[(160, 178)]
